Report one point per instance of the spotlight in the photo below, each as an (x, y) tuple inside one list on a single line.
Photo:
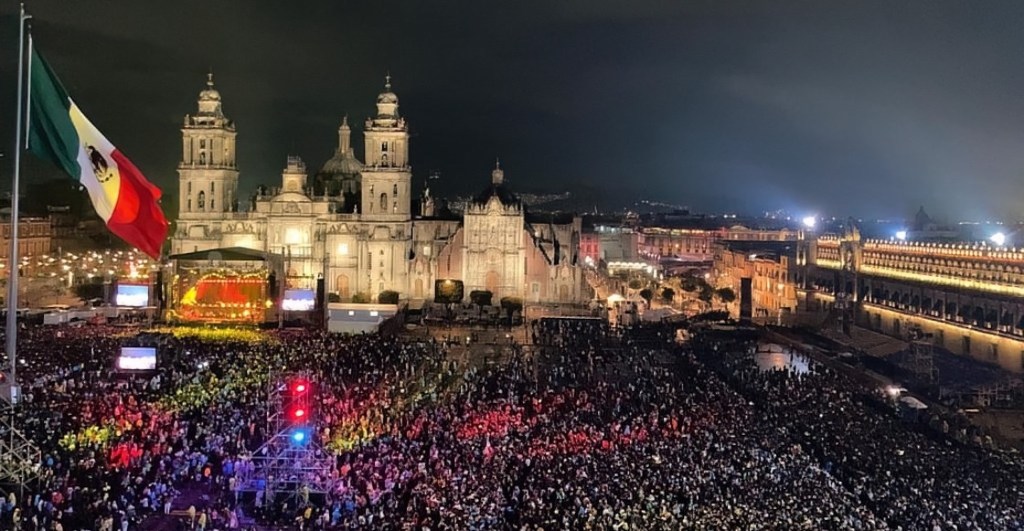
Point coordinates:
[(901, 235), (299, 436), (998, 239), (810, 221)]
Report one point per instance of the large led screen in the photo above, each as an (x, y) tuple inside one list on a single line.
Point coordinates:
[(298, 300), (134, 295), (137, 359)]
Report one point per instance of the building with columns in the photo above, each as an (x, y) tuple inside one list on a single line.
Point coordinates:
[(968, 297), (354, 224)]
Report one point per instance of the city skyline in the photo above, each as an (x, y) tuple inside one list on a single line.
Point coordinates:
[(870, 110)]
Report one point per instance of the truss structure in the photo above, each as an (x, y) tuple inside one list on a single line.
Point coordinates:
[(283, 466), (921, 361), (19, 459)]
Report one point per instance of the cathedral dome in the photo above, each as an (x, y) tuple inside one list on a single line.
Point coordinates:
[(342, 164), (344, 161)]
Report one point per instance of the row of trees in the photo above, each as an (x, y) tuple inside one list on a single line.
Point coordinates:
[(693, 284), (698, 286)]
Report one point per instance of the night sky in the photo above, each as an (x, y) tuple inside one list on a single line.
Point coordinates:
[(846, 108)]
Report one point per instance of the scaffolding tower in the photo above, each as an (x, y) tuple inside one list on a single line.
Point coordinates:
[(20, 459), (920, 361), (291, 463)]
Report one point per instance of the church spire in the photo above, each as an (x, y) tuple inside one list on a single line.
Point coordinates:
[(498, 175), (344, 136)]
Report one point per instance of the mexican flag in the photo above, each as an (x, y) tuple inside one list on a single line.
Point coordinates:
[(122, 197)]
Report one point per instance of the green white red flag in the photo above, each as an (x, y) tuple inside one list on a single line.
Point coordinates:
[(121, 195)]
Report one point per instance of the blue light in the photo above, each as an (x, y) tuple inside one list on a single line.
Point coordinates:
[(300, 436)]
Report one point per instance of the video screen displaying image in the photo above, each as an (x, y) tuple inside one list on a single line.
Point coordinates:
[(134, 295), (137, 359), (298, 300)]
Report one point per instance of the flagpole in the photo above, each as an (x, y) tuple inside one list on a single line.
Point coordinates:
[(12, 262), (28, 93)]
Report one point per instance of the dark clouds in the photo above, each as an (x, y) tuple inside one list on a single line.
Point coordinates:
[(866, 108)]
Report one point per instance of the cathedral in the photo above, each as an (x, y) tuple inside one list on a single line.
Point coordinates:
[(354, 224)]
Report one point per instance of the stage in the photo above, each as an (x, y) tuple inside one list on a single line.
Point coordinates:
[(222, 286)]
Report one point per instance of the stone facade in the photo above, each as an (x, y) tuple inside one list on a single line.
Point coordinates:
[(354, 224), (968, 296)]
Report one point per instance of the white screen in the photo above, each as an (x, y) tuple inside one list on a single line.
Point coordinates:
[(137, 359), (298, 300), (135, 295)]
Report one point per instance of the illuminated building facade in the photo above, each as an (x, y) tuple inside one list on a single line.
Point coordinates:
[(969, 297), (771, 267), (697, 244), (35, 237), (354, 224)]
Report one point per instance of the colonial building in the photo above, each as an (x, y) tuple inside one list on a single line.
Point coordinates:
[(771, 268), (969, 297), (696, 242), (35, 237), (354, 224)]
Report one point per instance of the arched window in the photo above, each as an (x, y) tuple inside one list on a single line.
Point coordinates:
[(394, 190), (383, 203), (202, 200), (211, 204), (189, 209)]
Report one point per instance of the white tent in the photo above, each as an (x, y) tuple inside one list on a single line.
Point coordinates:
[(912, 402)]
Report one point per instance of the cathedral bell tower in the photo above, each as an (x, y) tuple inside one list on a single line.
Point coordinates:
[(208, 175), (386, 176)]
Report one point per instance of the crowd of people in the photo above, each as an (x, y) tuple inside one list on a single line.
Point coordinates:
[(583, 428)]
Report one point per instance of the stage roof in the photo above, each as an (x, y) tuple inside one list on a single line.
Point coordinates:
[(226, 253)]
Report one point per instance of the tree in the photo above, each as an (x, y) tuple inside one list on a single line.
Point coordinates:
[(360, 298), (692, 283), (647, 295), (707, 293), (333, 297), (726, 295), (668, 295), (388, 297), (635, 284), (511, 305), (480, 297)]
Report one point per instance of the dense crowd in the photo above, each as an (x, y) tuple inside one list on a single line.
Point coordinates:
[(585, 428)]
